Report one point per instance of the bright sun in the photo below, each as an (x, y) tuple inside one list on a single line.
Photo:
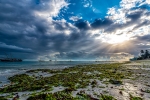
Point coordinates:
[(116, 39)]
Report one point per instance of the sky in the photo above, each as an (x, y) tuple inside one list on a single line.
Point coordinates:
[(74, 29)]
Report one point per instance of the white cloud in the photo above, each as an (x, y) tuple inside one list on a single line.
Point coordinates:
[(147, 1), (54, 7), (95, 10), (119, 15), (128, 4), (75, 18), (87, 3)]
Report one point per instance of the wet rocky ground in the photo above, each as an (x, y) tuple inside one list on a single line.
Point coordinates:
[(117, 81)]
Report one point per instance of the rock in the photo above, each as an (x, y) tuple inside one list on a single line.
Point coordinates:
[(142, 90), (112, 81), (111, 87), (142, 94), (121, 92)]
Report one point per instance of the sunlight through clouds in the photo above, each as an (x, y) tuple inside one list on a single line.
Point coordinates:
[(75, 28), (116, 39)]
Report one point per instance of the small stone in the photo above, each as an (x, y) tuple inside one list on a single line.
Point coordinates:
[(142, 94), (121, 92), (142, 90)]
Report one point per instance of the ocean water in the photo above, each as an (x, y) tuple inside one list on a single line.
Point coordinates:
[(8, 69)]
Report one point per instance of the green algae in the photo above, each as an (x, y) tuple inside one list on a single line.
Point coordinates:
[(62, 95), (73, 81), (135, 98), (107, 97)]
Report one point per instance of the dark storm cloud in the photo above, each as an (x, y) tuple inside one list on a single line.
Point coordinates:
[(99, 23), (145, 38), (6, 48), (82, 25)]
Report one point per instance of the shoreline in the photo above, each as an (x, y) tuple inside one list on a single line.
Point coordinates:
[(119, 81)]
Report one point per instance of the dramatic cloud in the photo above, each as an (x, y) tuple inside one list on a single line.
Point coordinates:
[(69, 29)]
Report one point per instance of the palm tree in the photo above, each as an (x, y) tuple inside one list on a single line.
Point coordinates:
[(142, 54), (146, 54), (142, 51)]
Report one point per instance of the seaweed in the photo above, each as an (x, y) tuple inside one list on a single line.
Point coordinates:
[(62, 95), (107, 97), (135, 98)]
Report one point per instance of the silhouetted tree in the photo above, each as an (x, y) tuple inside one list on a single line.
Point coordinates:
[(142, 54), (142, 51), (146, 55)]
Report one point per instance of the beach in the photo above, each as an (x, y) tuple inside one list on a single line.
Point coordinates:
[(75, 50), (109, 81)]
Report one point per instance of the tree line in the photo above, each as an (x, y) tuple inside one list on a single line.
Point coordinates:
[(144, 55)]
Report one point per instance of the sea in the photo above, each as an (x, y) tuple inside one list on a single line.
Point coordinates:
[(8, 69)]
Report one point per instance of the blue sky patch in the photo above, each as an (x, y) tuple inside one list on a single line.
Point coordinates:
[(87, 9)]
